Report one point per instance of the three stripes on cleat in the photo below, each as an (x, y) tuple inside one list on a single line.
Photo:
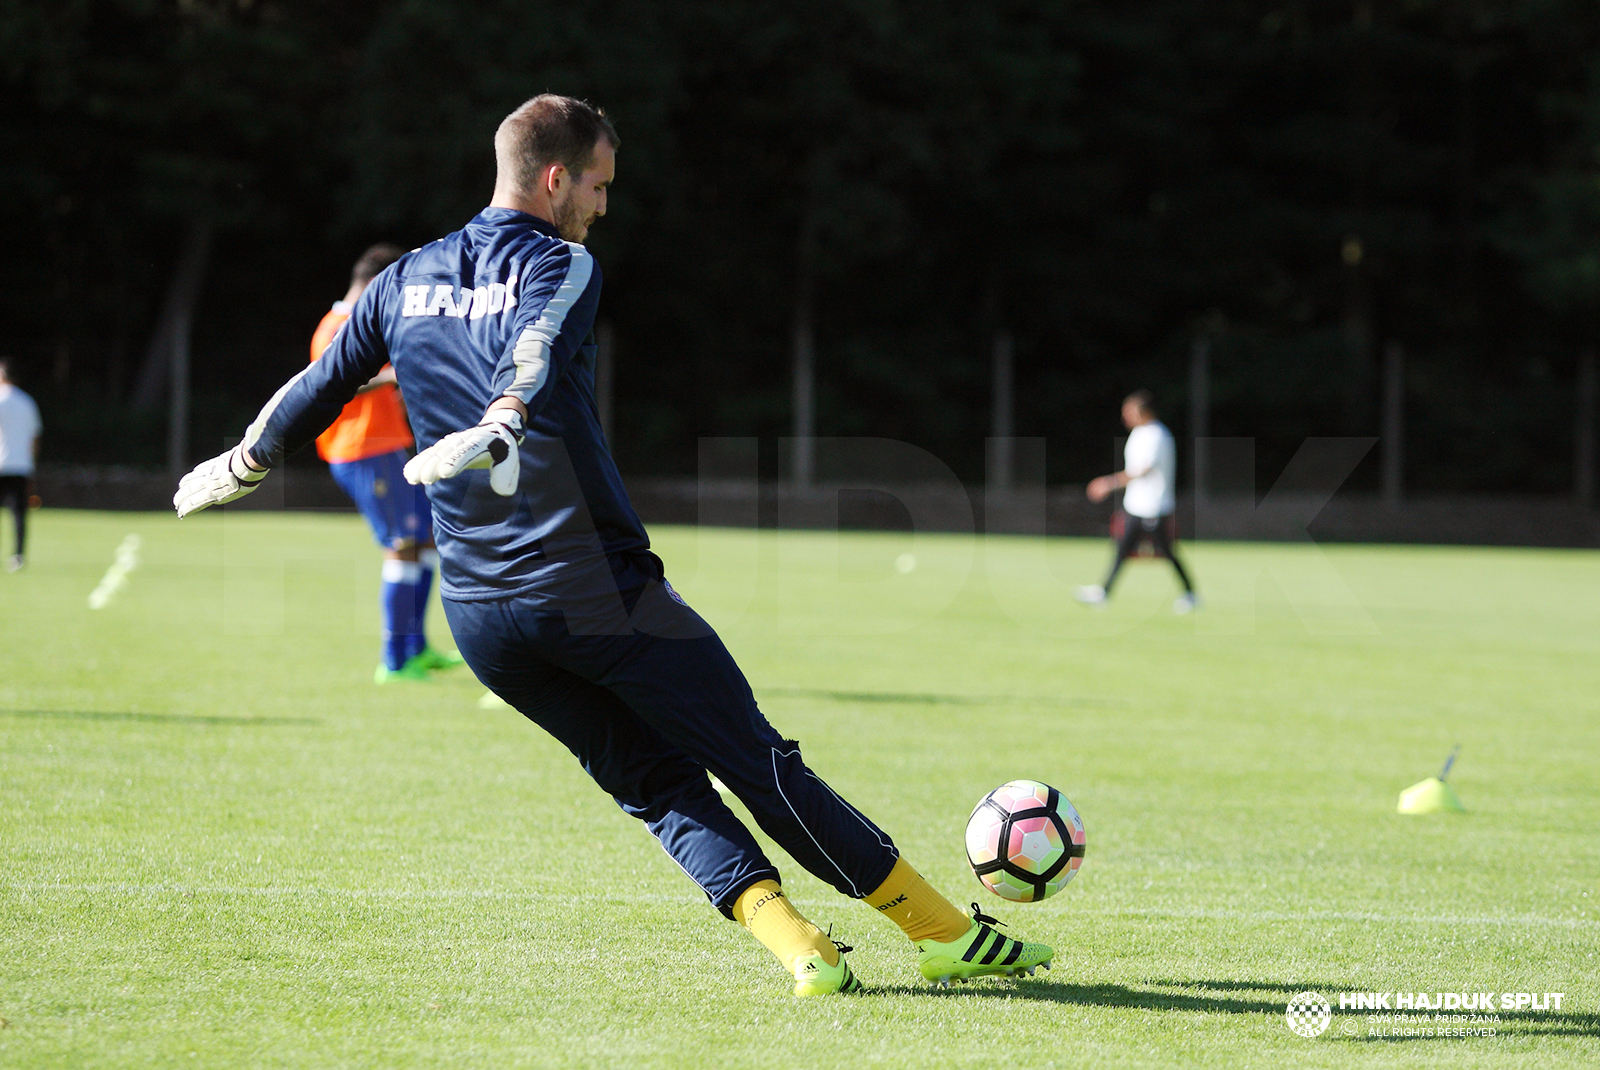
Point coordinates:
[(981, 952), (1000, 945)]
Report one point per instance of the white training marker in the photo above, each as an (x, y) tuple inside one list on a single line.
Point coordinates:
[(905, 563), (116, 577)]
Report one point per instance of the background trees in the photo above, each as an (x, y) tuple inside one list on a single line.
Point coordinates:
[(1303, 180)]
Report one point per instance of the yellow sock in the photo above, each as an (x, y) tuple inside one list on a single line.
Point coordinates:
[(916, 906), (771, 918)]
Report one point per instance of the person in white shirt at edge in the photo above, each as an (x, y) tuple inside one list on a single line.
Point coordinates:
[(19, 446), (1149, 472)]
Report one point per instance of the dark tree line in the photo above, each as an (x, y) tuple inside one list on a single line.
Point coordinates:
[(1300, 182)]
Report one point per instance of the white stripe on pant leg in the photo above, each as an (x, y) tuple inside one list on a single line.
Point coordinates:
[(778, 783), (877, 832), (704, 890)]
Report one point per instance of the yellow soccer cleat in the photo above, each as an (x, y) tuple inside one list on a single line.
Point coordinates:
[(814, 977), (980, 952)]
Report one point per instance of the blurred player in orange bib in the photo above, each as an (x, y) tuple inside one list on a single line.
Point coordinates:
[(366, 449)]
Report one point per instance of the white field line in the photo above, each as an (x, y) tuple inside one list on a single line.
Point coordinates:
[(282, 891), (116, 577)]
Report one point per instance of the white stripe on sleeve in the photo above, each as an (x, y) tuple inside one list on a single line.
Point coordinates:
[(531, 355), (253, 434)]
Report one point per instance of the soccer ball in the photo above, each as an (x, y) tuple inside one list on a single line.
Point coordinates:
[(1025, 841)]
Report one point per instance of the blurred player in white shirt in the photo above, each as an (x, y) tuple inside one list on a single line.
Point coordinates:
[(19, 446), (1147, 480)]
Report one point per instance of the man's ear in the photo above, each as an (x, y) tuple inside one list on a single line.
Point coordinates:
[(554, 175)]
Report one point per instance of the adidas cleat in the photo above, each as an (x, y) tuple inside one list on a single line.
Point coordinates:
[(814, 977), (980, 952)]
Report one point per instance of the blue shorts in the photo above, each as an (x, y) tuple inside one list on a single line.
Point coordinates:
[(397, 511)]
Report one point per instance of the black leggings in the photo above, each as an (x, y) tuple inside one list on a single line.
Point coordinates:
[(1134, 531), (14, 490)]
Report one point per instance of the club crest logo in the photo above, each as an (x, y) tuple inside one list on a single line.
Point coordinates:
[(1308, 1014)]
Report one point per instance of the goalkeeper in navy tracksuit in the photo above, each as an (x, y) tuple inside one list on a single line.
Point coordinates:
[(546, 574)]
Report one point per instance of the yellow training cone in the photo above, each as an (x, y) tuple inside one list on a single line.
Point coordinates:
[(1432, 796)]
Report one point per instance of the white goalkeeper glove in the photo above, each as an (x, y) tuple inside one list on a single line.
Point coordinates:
[(492, 445), (221, 479)]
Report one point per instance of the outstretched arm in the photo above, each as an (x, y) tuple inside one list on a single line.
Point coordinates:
[(300, 410)]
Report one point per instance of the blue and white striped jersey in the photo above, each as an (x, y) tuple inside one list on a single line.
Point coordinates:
[(502, 306)]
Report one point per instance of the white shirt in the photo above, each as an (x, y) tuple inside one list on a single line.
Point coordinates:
[(1150, 449), (19, 426)]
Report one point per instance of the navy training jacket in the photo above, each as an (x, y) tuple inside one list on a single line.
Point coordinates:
[(502, 306)]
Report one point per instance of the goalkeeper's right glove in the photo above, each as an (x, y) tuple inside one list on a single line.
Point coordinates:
[(222, 479), (492, 445)]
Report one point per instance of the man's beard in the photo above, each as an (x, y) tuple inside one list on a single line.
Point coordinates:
[(570, 221)]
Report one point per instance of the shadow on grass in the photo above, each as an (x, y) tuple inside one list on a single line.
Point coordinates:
[(1251, 986), (875, 696), (1191, 997), (1553, 1023), (913, 698), (1101, 995), (159, 718)]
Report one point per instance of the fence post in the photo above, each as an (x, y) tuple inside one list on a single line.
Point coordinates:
[(1583, 460), (1000, 474), (1200, 411), (1394, 415)]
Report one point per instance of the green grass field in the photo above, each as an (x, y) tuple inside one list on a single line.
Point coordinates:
[(224, 847)]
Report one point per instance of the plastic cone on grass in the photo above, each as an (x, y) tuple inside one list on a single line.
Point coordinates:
[(1433, 796)]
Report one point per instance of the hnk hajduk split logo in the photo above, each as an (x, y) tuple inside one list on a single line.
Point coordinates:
[(1417, 1014), (1308, 1014)]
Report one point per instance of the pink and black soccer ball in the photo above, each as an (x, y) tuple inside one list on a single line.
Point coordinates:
[(1025, 841)]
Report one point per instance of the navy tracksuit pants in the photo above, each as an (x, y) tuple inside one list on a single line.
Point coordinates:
[(648, 711)]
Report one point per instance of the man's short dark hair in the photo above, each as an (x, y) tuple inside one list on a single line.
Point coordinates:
[(550, 129), (373, 261), (1143, 400)]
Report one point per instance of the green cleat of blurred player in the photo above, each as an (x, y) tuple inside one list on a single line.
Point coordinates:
[(434, 660), (413, 671)]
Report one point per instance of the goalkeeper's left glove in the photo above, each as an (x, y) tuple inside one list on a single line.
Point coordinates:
[(221, 479), (492, 445)]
